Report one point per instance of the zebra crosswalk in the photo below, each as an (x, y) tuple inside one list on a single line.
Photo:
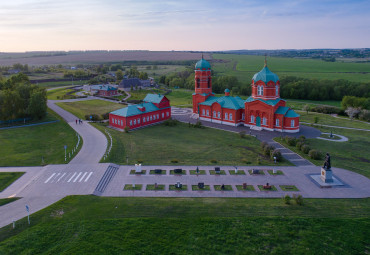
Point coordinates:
[(68, 177)]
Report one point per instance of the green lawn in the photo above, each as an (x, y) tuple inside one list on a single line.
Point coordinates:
[(141, 94), (158, 145), (7, 178), (353, 155), (26, 146), (97, 225), (62, 83), (87, 107), (4, 201), (245, 66), (57, 94), (326, 119), (181, 98), (299, 104)]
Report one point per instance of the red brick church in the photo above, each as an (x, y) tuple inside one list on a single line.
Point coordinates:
[(264, 109)]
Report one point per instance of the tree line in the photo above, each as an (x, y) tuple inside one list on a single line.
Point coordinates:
[(21, 99)]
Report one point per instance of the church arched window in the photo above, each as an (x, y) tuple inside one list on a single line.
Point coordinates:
[(260, 90), (252, 118), (264, 121), (277, 90), (209, 82), (277, 122), (198, 82)]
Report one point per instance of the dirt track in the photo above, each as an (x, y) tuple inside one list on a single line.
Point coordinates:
[(105, 56)]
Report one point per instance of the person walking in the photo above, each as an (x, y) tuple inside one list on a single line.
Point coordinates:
[(76, 121)]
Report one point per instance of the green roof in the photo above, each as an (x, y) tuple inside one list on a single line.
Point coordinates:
[(265, 75), (103, 87), (291, 114), (132, 110), (282, 110), (202, 64), (153, 98), (269, 102), (228, 102)]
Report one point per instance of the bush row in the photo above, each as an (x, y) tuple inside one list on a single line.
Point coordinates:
[(271, 151), (300, 144)]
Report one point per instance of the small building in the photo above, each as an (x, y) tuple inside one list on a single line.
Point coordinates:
[(135, 83), (104, 90), (154, 109)]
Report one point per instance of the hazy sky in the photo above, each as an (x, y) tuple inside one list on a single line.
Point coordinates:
[(27, 25)]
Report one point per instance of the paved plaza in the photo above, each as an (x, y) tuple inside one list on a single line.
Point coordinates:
[(40, 186)]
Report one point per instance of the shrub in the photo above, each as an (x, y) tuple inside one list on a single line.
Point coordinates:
[(263, 145), (326, 109), (267, 150), (291, 141), (364, 115), (140, 161), (287, 199), (127, 129), (213, 161), (299, 144), (258, 160), (298, 199), (314, 154), (171, 122), (316, 119), (174, 161), (302, 138), (105, 116), (276, 153), (242, 134), (198, 124), (94, 117), (305, 148)]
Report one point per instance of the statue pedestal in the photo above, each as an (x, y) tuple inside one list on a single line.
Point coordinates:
[(326, 175)]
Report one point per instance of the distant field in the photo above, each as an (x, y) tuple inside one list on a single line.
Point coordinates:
[(135, 225), (87, 107), (245, 66), (8, 59)]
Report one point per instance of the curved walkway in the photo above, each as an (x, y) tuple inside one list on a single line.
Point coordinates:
[(342, 138), (94, 142)]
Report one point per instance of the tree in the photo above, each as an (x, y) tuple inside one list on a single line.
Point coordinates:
[(119, 75), (37, 107), (352, 112), (306, 108)]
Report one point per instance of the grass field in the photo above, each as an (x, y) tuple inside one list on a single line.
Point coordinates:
[(159, 145), (87, 107), (245, 66), (353, 155), (57, 94), (7, 178), (181, 98), (326, 119), (26, 146), (96, 225), (298, 104)]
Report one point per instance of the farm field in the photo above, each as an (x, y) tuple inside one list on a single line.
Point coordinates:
[(87, 107), (96, 225), (8, 59), (53, 84), (26, 146), (162, 145), (245, 66)]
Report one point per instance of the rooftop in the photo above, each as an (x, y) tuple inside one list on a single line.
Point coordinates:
[(228, 102)]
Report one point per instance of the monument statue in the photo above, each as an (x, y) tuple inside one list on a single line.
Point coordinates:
[(327, 164)]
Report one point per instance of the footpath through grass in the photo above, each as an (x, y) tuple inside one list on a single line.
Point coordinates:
[(7, 178), (184, 145), (27, 146), (96, 225), (87, 107)]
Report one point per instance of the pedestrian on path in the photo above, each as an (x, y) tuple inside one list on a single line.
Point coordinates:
[(76, 121)]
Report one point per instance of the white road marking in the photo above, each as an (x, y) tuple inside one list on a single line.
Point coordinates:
[(77, 177), (55, 178), (82, 177), (87, 178), (72, 177), (49, 178), (61, 177)]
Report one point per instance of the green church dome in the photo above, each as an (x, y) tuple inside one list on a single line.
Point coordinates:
[(202, 64), (265, 75)]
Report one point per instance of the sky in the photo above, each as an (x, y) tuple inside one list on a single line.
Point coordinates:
[(199, 25)]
